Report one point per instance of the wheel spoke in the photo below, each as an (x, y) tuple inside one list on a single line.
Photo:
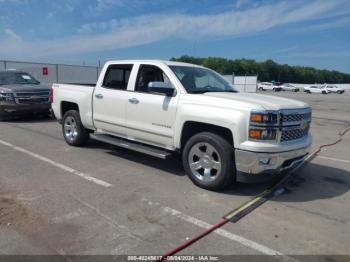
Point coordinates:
[(196, 165), (216, 165), (210, 150), (197, 152), (207, 173)]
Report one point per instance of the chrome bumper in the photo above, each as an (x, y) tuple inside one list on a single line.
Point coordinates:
[(268, 163)]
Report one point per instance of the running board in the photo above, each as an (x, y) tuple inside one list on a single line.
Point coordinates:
[(131, 145)]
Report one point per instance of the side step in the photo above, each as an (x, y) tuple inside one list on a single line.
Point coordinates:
[(131, 145)]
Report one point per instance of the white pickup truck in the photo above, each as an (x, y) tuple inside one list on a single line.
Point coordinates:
[(161, 108)]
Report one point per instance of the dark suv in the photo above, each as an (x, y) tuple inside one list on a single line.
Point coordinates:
[(21, 94)]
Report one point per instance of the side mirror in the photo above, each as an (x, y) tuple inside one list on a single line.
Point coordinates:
[(161, 88)]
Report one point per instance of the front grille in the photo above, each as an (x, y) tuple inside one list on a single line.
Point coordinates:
[(294, 124), (31, 101), (293, 133), (295, 117), (34, 97)]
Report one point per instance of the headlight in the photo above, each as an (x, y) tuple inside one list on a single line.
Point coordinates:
[(7, 97), (264, 118), (263, 125), (263, 134)]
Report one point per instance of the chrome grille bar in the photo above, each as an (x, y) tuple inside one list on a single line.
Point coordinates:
[(32, 97)]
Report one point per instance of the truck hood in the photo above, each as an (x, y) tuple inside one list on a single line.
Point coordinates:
[(23, 88), (265, 101)]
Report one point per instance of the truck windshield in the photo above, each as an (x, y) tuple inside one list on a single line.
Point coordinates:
[(197, 80), (17, 78)]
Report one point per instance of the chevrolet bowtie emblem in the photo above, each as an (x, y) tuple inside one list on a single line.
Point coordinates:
[(35, 97), (304, 125)]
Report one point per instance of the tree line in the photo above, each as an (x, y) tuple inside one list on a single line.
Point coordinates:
[(268, 70)]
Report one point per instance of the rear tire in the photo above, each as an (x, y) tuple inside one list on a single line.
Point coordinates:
[(73, 130), (209, 161)]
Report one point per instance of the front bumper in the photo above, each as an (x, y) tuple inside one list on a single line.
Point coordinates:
[(267, 165), (12, 110)]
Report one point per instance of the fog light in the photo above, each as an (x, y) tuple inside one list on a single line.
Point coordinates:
[(264, 161)]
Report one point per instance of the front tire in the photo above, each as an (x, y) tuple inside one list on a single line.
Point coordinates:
[(73, 130), (209, 162)]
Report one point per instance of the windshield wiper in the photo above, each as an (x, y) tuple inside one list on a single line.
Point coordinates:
[(227, 91), (220, 91), (212, 91)]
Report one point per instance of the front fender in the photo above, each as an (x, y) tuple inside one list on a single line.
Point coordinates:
[(234, 120)]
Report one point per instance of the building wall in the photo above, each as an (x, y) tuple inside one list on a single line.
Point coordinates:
[(53, 73), (243, 83)]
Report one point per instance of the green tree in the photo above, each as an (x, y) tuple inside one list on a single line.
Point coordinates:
[(268, 70)]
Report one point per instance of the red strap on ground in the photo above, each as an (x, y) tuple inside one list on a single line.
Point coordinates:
[(193, 240)]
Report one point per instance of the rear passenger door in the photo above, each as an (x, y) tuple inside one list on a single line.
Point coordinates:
[(109, 100)]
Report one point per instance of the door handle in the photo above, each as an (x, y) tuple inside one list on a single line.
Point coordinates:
[(134, 101), (99, 96)]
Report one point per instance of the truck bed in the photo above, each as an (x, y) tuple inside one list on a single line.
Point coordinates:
[(81, 95)]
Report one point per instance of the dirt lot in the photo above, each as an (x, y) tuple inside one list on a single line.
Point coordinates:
[(103, 200)]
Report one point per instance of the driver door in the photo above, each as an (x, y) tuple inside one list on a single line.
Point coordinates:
[(150, 117)]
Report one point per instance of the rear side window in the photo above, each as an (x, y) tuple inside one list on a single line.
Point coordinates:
[(117, 77)]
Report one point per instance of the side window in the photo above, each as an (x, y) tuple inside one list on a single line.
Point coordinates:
[(147, 74), (117, 77)]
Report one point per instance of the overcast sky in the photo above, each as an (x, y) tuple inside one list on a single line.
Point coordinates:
[(311, 32)]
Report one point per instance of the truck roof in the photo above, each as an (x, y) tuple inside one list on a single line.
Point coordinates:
[(169, 63)]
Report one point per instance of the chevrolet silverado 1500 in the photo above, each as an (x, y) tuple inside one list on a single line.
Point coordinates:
[(162, 107)]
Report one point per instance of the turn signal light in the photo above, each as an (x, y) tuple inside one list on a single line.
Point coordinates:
[(254, 133), (258, 118), (263, 134), (264, 118)]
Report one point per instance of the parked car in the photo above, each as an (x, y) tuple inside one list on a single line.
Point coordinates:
[(21, 94), (334, 89), (316, 89), (289, 87), (162, 108), (263, 86)]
